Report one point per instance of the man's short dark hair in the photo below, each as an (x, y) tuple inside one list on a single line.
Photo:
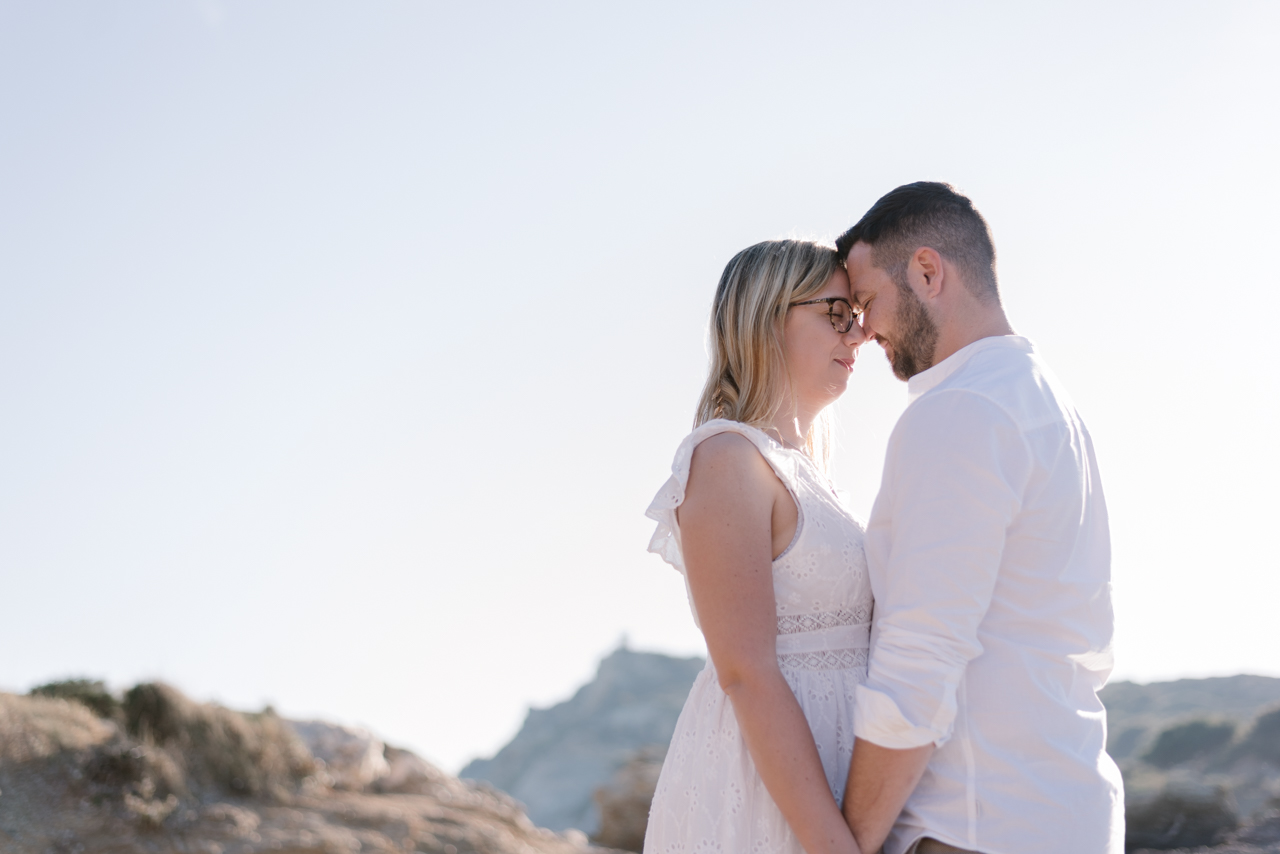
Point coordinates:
[(932, 214)]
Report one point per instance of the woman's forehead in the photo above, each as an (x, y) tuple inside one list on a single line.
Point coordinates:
[(837, 285)]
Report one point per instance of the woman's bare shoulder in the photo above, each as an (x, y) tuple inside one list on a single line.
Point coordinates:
[(729, 461)]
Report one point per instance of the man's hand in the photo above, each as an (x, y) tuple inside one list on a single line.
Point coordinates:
[(880, 781)]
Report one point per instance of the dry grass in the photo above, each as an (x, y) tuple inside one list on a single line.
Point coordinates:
[(242, 754), (35, 727)]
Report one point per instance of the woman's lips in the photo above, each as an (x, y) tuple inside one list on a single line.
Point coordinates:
[(848, 364)]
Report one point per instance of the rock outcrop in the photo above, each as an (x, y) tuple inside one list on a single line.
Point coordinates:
[(170, 776), (352, 758), (563, 754), (624, 802)]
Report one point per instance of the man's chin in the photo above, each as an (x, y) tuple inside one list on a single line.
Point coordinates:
[(905, 367), (895, 362)]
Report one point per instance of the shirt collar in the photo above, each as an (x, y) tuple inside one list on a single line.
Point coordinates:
[(930, 379)]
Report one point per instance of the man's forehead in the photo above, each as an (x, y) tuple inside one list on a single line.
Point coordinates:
[(859, 256), (858, 266), (858, 275)]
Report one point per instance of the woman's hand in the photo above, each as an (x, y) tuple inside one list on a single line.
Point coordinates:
[(735, 513)]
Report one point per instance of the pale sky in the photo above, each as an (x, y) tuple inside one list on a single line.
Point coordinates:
[(342, 346)]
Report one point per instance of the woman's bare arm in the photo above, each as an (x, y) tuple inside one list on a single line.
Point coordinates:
[(726, 534)]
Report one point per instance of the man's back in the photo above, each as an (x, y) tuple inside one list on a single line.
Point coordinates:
[(990, 561)]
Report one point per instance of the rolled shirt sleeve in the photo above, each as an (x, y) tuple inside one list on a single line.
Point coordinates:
[(955, 474)]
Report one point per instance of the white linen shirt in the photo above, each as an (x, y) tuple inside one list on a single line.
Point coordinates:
[(990, 560)]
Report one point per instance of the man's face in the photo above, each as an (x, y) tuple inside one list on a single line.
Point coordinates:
[(892, 315)]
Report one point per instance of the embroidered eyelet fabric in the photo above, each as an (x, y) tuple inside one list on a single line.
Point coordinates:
[(709, 797)]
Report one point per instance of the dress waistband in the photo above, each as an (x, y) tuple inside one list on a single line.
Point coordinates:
[(820, 640)]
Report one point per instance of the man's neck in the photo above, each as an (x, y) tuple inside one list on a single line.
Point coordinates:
[(961, 332)]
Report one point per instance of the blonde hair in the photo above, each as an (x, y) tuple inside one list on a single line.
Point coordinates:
[(748, 379)]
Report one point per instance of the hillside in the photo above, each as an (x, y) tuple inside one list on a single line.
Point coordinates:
[(1136, 713), (81, 771)]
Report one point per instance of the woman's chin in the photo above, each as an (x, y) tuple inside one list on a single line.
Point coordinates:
[(833, 392)]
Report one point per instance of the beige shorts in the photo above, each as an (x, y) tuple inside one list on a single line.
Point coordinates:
[(933, 846)]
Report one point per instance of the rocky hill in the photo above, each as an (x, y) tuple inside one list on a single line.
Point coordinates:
[(563, 754), (82, 772)]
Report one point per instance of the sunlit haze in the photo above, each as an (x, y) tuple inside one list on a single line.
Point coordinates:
[(342, 346)]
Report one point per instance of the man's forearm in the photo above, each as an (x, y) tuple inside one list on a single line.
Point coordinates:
[(880, 781)]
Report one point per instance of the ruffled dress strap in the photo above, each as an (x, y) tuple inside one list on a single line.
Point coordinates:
[(666, 538)]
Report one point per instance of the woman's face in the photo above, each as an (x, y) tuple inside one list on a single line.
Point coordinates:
[(819, 359)]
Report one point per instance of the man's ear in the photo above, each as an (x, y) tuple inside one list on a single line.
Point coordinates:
[(925, 271)]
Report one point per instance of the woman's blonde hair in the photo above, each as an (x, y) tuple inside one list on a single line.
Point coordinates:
[(748, 380)]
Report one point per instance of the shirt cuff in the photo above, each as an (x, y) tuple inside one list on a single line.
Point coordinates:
[(877, 719)]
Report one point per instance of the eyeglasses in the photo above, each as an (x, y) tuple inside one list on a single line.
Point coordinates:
[(839, 311)]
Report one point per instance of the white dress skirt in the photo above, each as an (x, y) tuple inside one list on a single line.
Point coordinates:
[(709, 796)]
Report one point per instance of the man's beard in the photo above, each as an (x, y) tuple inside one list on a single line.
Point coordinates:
[(917, 335)]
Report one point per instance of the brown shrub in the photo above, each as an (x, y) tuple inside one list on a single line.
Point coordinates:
[(89, 692), (121, 764), (1187, 741), (1263, 738), (242, 754), (1180, 819)]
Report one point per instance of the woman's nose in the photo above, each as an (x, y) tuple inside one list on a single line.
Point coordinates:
[(856, 334)]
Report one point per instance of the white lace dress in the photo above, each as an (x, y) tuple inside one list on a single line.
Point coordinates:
[(709, 796)]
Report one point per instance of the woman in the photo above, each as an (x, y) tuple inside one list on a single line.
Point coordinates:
[(774, 568)]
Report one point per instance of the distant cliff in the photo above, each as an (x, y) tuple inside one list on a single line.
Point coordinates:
[(562, 754)]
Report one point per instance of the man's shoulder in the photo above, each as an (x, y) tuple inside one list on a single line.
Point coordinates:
[(992, 368), (1016, 381)]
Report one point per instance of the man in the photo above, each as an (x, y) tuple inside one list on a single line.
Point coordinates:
[(979, 728)]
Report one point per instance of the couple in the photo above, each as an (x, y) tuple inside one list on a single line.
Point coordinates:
[(965, 717)]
